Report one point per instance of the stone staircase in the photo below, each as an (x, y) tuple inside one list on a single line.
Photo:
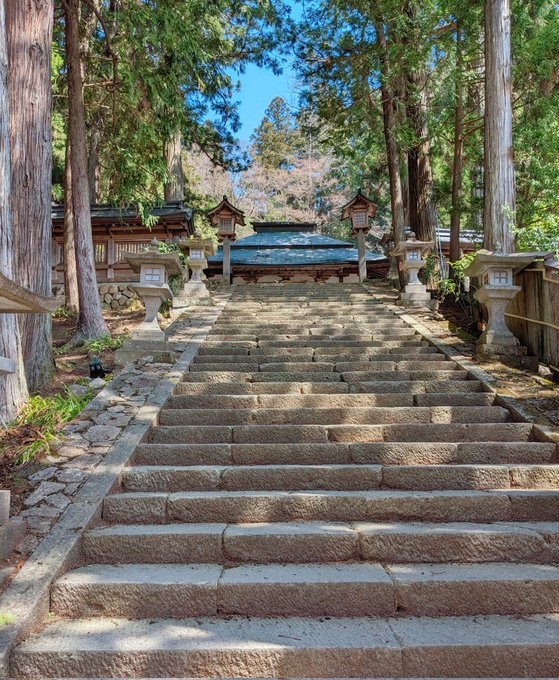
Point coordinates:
[(325, 495)]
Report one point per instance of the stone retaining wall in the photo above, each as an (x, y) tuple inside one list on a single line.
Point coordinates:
[(116, 295)]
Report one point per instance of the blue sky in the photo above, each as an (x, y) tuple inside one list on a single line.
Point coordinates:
[(259, 86)]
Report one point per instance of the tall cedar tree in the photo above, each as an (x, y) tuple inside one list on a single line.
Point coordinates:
[(13, 387), (91, 323), (500, 191), (29, 26)]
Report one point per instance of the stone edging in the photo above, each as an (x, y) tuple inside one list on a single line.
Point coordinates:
[(27, 598), (519, 414)]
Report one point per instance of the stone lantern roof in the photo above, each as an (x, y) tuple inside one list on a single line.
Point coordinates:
[(226, 208), (170, 261)]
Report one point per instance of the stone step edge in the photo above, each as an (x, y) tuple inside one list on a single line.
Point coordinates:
[(245, 589), (315, 541), (403, 506), (383, 477), (405, 647)]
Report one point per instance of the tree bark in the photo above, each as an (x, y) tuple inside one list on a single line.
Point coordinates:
[(421, 211), (93, 169), (458, 161), (499, 193), (91, 323), (29, 26), (420, 172), (13, 387), (71, 293), (392, 153), (174, 189)]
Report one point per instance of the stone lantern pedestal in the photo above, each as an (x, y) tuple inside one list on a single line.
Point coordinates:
[(413, 254), (153, 290), (195, 291), (496, 275)]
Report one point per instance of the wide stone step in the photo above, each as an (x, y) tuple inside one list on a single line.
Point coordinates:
[(294, 647), (376, 453), (295, 401), (375, 387), (263, 477), (387, 325), (335, 416), (235, 387), (338, 477), (323, 366), (301, 355), (344, 506), (299, 542), (196, 401), (351, 590), (350, 377), (240, 376), (309, 434), (316, 342)]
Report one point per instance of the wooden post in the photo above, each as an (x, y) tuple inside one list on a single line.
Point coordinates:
[(362, 258), (111, 258), (227, 260)]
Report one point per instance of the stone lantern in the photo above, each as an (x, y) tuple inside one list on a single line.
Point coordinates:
[(197, 250), (496, 273), (359, 210), (413, 254), (226, 217), (387, 243), (153, 290)]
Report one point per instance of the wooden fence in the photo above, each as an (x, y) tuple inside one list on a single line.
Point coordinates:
[(533, 316)]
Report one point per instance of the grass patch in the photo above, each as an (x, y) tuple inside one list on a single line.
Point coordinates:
[(107, 343), (38, 424), (63, 313), (6, 619)]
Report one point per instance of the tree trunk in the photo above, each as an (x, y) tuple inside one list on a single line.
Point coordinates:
[(90, 320), (499, 194), (392, 153), (70, 273), (420, 172), (421, 211), (174, 189), (13, 387), (458, 161), (93, 170), (29, 26)]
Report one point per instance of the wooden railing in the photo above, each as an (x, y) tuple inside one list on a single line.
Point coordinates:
[(533, 316)]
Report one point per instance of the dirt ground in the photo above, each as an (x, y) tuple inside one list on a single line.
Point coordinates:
[(72, 363)]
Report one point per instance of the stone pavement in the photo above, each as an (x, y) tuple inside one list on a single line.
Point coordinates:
[(324, 495)]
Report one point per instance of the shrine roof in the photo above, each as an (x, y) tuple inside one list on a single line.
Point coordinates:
[(267, 257), (289, 239), (106, 212)]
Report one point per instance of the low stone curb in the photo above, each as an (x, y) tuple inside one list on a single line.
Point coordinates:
[(26, 599), (519, 414)]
